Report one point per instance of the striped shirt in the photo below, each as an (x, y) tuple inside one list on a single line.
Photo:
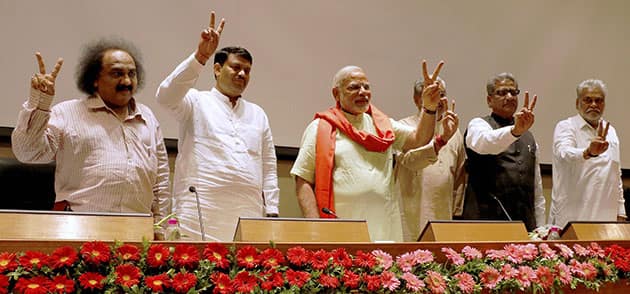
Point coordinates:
[(104, 164)]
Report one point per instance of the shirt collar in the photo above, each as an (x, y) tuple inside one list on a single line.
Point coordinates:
[(95, 102), (583, 124), (226, 99)]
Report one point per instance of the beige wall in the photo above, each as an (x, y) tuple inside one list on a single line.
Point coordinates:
[(288, 201)]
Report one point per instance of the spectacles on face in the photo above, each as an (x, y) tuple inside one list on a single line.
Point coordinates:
[(590, 100), (504, 92)]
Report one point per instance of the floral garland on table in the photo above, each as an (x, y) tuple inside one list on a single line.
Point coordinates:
[(156, 268)]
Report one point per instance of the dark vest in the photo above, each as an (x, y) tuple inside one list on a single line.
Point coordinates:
[(509, 176)]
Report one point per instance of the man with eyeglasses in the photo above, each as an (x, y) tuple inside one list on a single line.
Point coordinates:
[(587, 183), (431, 180), (344, 167), (503, 172)]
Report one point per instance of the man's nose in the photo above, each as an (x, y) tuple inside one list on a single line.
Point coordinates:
[(126, 80)]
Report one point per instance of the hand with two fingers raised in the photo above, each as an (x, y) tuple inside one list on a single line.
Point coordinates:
[(598, 144), (524, 118), (42, 81), (431, 90), (209, 40)]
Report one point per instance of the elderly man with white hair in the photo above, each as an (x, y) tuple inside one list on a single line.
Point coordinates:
[(587, 182), (345, 161)]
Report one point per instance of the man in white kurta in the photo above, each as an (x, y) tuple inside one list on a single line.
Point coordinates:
[(362, 180), (587, 182), (225, 148), (361, 169), (431, 185)]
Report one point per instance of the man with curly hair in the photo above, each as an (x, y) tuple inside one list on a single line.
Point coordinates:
[(108, 148)]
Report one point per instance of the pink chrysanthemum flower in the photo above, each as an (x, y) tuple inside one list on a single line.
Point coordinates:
[(453, 256), (412, 282), (383, 258), (390, 282)]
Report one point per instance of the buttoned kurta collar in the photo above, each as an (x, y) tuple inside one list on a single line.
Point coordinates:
[(226, 99)]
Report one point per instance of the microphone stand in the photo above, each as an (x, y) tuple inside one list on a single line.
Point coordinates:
[(203, 233), (502, 207), (329, 212)]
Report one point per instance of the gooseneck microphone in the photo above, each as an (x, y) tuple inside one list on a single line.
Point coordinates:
[(329, 212), (192, 189), (502, 207)]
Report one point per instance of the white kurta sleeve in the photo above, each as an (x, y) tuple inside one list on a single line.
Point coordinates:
[(482, 139)]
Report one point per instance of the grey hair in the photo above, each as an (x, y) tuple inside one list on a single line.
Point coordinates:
[(342, 73), (419, 86), (591, 84), (490, 86)]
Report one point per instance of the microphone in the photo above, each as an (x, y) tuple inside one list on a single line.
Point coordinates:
[(502, 207), (329, 212), (192, 189)]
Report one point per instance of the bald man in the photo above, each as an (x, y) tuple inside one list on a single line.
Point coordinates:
[(345, 161)]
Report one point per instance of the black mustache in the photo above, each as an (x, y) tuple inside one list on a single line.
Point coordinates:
[(124, 87)]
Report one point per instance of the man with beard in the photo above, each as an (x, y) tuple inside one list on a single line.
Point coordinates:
[(226, 150), (587, 182), (345, 160), (108, 148), (503, 171), (431, 180)]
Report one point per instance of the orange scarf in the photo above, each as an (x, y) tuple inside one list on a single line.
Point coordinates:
[(330, 121)]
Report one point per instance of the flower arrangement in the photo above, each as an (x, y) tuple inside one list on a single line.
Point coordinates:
[(97, 267)]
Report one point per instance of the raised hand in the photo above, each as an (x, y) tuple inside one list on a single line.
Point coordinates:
[(431, 89), (42, 81), (209, 40), (599, 144), (524, 118), (450, 122)]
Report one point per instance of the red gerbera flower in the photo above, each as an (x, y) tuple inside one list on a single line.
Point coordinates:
[(128, 252), (33, 259), (4, 284), (245, 282), (127, 275), (34, 285), (216, 252), (273, 279), (91, 281), (319, 259), (186, 256), (373, 282), (298, 255), (7, 262), (64, 256), (222, 283), (341, 257), (157, 283), (247, 257), (182, 282), (297, 278), (62, 284), (272, 257), (365, 260), (328, 281), (95, 252), (157, 255), (351, 280)]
